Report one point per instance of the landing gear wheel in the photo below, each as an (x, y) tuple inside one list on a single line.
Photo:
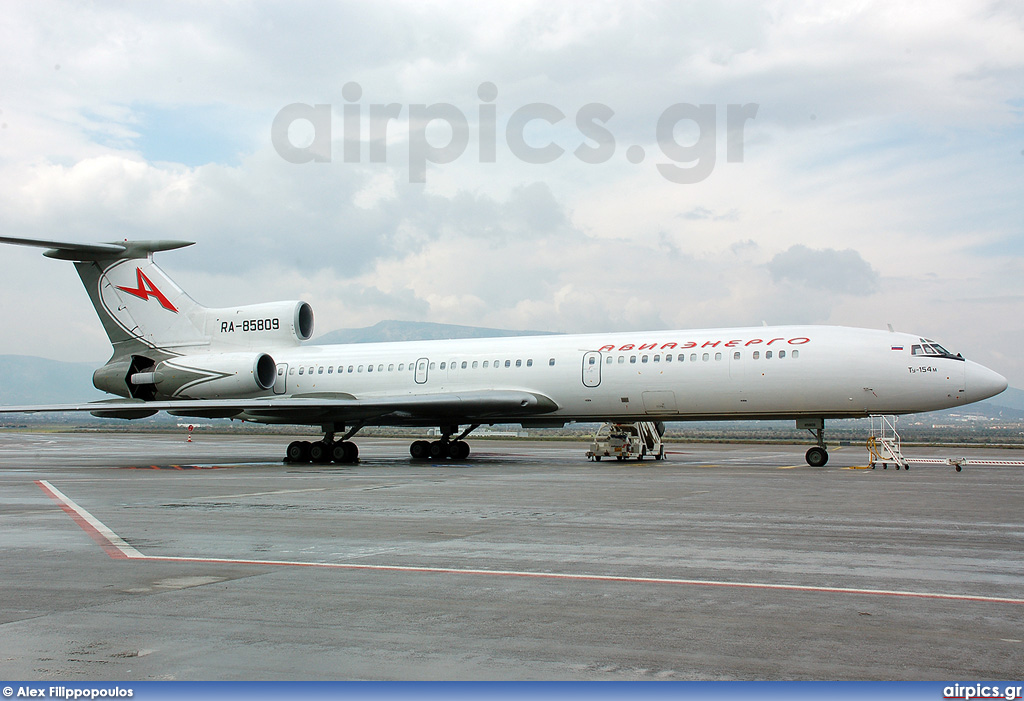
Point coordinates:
[(298, 451), (338, 453), (320, 452), (438, 450), (460, 450), (419, 450), (345, 452), (816, 456)]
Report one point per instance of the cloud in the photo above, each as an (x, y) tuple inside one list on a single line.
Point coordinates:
[(882, 170), (826, 270)]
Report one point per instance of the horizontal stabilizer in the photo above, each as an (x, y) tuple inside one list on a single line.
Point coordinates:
[(69, 250)]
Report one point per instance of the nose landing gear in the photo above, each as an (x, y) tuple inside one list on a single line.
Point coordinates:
[(816, 456)]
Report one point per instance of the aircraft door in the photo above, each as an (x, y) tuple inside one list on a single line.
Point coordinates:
[(592, 369), (281, 383), (421, 370)]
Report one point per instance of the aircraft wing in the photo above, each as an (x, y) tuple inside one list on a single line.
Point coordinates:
[(321, 408)]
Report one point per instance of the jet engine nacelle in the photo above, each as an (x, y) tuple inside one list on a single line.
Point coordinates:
[(210, 376), (273, 324)]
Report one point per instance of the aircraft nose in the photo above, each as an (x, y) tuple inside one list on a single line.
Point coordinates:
[(983, 383)]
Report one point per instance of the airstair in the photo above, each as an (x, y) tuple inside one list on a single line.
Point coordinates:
[(884, 448), (884, 444)]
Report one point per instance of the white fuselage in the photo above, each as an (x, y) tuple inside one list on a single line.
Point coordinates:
[(758, 372)]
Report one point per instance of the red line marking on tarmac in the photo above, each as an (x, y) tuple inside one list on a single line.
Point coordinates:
[(114, 546), (117, 548)]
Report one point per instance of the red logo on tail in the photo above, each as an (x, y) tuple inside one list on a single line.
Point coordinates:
[(147, 289)]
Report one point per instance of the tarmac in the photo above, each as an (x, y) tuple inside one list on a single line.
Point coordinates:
[(143, 557)]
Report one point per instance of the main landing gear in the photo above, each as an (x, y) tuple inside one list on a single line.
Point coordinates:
[(325, 450), (328, 450), (816, 456), (444, 449)]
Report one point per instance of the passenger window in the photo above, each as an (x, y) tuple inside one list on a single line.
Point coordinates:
[(643, 359), (609, 360), (757, 355), (508, 363), (551, 362), (391, 367), (622, 359), (432, 366), (475, 364), (291, 371), (519, 363), (795, 354), (767, 355), (442, 366), (718, 356), (320, 370), (350, 368), (369, 368), (632, 359), (693, 357), (330, 369), (486, 362), (591, 360), (464, 364), (706, 357), (359, 369), (301, 370), (736, 355), (668, 357), (380, 368), (401, 367), (529, 362), (782, 354), (657, 358)]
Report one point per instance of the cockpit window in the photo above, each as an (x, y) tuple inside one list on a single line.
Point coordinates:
[(932, 349)]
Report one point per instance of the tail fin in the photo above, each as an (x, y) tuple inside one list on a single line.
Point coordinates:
[(141, 308)]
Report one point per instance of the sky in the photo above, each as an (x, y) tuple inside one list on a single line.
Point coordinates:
[(571, 166)]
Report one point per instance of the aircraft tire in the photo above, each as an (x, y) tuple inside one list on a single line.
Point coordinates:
[(461, 451), (419, 450), (298, 451), (438, 450), (816, 457), (338, 453), (351, 451), (320, 452)]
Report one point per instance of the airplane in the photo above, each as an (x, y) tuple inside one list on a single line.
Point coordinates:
[(249, 362)]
